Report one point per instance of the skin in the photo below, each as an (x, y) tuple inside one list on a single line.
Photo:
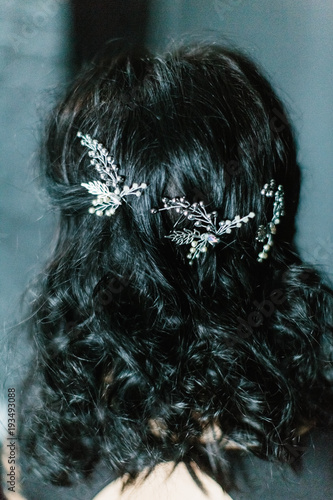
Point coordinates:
[(165, 483)]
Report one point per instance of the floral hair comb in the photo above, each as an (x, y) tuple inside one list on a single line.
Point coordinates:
[(110, 191), (213, 230), (208, 230)]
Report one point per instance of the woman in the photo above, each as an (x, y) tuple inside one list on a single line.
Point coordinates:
[(175, 322)]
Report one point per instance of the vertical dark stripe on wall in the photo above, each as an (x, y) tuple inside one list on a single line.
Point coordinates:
[(95, 22)]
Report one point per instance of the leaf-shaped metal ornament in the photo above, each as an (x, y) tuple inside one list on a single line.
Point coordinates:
[(110, 191), (197, 212)]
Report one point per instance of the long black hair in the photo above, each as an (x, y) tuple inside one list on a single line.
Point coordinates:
[(141, 358)]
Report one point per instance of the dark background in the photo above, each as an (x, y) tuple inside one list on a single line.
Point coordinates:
[(43, 42)]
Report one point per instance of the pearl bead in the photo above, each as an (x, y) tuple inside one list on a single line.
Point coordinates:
[(263, 255)]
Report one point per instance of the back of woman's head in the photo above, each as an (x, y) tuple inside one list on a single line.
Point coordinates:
[(140, 354)]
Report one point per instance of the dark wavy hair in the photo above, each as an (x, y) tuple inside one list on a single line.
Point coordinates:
[(141, 358)]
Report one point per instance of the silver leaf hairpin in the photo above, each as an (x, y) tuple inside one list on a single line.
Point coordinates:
[(265, 233), (197, 213), (110, 191)]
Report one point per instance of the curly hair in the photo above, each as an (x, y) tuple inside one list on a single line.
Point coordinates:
[(141, 358)]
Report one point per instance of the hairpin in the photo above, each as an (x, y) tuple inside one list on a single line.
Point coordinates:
[(110, 193), (197, 213), (265, 233)]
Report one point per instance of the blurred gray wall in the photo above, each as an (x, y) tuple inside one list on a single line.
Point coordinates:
[(34, 61), (293, 41)]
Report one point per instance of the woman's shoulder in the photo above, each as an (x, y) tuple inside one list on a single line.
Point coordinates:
[(167, 481)]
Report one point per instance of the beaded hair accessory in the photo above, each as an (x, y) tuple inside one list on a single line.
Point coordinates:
[(110, 191), (199, 240), (208, 230), (265, 233)]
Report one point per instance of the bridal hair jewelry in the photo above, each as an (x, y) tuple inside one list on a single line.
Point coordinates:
[(265, 233), (110, 191), (213, 230), (197, 213)]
